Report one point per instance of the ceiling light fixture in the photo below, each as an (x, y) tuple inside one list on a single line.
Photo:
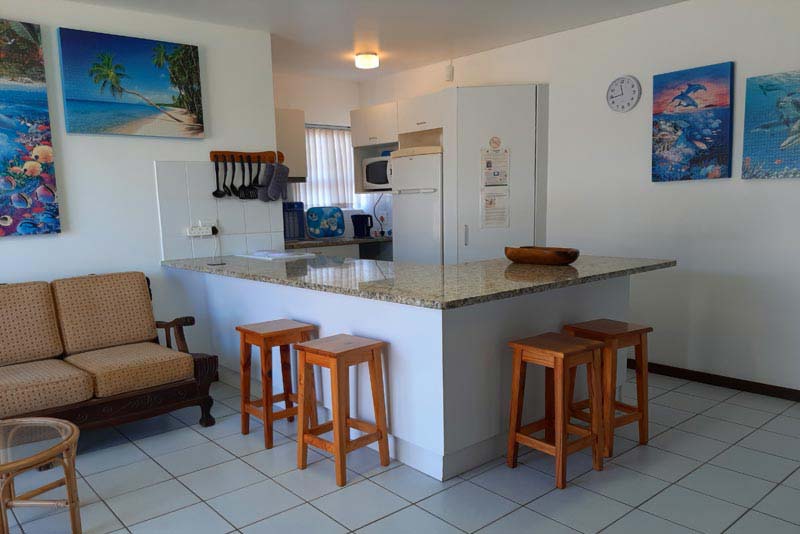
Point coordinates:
[(367, 61)]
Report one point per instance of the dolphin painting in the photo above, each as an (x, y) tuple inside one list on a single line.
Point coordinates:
[(769, 87), (685, 99)]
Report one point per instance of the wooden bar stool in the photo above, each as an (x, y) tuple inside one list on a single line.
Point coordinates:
[(338, 353), (616, 335), (559, 354), (280, 333)]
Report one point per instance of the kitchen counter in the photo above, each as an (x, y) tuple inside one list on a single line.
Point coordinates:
[(428, 286), (335, 242)]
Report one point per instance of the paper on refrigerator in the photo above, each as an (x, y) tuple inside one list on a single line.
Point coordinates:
[(494, 207)]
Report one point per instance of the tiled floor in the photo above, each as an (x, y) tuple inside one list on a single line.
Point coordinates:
[(718, 461)]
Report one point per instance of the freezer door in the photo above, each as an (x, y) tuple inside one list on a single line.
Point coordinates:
[(417, 172), (417, 209)]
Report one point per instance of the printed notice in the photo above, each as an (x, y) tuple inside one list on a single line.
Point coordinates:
[(494, 167), (494, 207)]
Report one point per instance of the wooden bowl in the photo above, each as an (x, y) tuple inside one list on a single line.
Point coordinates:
[(542, 255)]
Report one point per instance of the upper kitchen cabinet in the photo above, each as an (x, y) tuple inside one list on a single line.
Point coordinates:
[(374, 125), (420, 113), (290, 138)]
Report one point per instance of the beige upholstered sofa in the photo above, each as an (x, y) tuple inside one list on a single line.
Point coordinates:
[(86, 349)]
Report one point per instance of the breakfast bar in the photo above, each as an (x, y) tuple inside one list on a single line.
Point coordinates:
[(447, 364)]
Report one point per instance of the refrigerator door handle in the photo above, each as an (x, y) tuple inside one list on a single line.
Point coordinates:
[(466, 235), (413, 191)]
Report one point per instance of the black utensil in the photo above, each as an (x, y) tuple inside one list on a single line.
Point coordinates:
[(256, 182), (252, 192), (243, 189), (225, 188), (218, 193), (234, 189)]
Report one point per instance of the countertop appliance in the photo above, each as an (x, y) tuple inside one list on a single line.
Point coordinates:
[(377, 172), (362, 224), (294, 221)]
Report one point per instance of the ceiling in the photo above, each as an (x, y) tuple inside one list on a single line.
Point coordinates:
[(320, 36)]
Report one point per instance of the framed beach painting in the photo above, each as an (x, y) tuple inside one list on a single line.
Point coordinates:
[(772, 127), (692, 121), (130, 86), (28, 202)]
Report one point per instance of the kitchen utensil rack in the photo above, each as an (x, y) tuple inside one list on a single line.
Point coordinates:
[(270, 156)]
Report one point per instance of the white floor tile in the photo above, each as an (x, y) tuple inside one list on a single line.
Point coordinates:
[(241, 445), (280, 459), (715, 428), (793, 411), (577, 464), (191, 414), (754, 521), (254, 503), (690, 445), (411, 484), (467, 506), (793, 481), (227, 426), (664, 415), (367, 462), (95, 519), (580, 509), (621, 444), (664, 382), (755, 463), (707, 391), (357, 505), (524, 521), (628, 390), (86, 496), (170, 441), (521, 484), (196, 519), (631, 431), (739, 414), (788, 426), (100, 438), (150, 427), (221, 390), (727, 485), (657, 463), (104, 459), (194, 458), (783, 502), (304, 519), (772, 443), (686, 403), (693, 510), (314, 481), (761, 402), (622, 484), (127, 478), (638, 522), (146, 503), (411, 519), (213, 481), (472, 473)]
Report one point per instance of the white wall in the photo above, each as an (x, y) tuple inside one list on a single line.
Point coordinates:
[(732, 304), (325, 100), (106, 184)]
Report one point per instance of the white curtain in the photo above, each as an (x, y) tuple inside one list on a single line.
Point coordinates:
[(329, 155)]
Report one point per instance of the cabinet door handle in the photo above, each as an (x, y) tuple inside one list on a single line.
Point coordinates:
[(466, 235), (421, 123), (373, 138)]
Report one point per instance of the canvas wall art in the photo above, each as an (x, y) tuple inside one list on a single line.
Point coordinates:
[(27, 173), (692, 120), (125, 85), (772, 127)]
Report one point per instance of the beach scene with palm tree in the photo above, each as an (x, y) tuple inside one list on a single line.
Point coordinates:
[(130, 86)]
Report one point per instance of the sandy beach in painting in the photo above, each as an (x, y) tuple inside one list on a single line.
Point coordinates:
[(162, 126)]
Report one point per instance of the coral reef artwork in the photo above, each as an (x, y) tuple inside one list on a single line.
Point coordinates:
[(692, 120), (772, 127), (28, 203)]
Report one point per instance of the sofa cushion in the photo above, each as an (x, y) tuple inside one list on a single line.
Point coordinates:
[(101, 311), (126, 368), (33, 386), (28, 326)]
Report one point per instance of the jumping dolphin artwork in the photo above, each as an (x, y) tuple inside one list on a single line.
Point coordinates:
[(685, 99)]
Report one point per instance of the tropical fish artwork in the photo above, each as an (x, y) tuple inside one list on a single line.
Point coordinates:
[(772, 127), (28, 199), (692, 120)]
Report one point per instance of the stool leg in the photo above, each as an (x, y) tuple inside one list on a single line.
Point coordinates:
[(609, 401), (5, 487), (286, 377), (379, 404), (303, 372), (549, 406), (311, 400), (245, 351), (641, 389), (561, 417), (266, 393), (517, 398), (71, 484), (573, 372), (595, 399), (339, 393)]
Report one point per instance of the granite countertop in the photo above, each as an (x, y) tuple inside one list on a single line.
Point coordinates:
[(334, 242), (427, 286)]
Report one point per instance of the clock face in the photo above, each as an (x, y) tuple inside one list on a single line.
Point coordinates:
[(624, 93)]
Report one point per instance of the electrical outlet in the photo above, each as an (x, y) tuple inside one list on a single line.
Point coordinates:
[(199, 231)]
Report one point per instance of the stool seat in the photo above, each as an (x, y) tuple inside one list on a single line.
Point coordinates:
[(340, 345), (555, 344), (606, 329), (275, 328)]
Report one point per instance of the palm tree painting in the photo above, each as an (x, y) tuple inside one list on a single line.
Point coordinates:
[(130, 86)]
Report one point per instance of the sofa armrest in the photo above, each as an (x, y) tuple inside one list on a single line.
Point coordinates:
[(176, 325)]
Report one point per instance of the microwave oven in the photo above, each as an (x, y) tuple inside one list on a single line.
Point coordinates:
[(376, 173)]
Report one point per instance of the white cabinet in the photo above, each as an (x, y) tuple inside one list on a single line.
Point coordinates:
[(290, 138), (374, 125), (420, 113)]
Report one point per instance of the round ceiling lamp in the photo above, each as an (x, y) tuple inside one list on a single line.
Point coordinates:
[(367, 61)]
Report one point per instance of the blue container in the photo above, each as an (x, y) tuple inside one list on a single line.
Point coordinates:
[(294, 221), (325, 222)]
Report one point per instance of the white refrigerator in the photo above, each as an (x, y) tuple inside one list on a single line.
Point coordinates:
[(417, 208)]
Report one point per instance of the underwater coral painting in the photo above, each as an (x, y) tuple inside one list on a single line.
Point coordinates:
[(692, 120), (772, 127), (27, 173)]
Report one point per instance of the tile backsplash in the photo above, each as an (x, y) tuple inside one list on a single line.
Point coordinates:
[(184, 199)]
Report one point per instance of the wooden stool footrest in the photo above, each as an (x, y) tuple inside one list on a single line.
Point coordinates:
[(624, 407)]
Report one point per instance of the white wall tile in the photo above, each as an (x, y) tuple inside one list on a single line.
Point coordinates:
[(256, 217), (231, 216), (276, 216), (233, 244), (173, 203), (176, 248), (258, 242), (202, 206), (277, 240), (203, 247)]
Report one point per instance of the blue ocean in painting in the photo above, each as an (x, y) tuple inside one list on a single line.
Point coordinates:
[(772, 127), (19, 104), (91, 116)]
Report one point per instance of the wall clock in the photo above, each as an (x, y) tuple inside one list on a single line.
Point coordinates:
[(624, 93)]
